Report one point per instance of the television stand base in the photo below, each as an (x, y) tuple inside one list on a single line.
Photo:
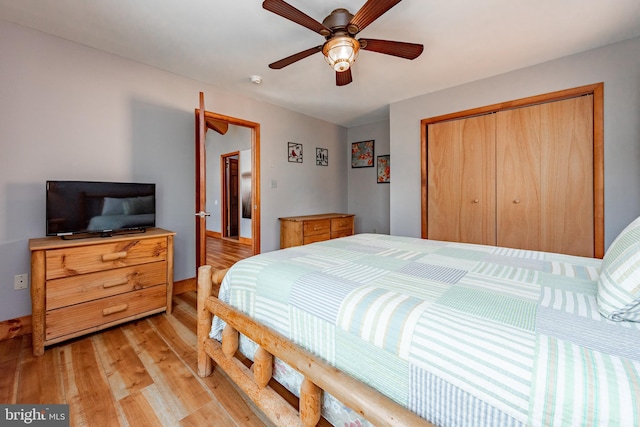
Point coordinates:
[(102, 234)]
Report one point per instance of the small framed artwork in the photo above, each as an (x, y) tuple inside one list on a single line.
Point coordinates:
[(362, 154), (322, 157), (384, 169), (295, 152)]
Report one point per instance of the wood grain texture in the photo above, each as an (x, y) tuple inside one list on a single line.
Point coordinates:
[(39, 378), (221, 253), (545, 175), (567, 178), (302, 230), (81, 260), (595, 92), (138, 374), (15, 327), (92, 286), (79, 286), (519, 157), (132, 379), (461, 182), (79, 317)]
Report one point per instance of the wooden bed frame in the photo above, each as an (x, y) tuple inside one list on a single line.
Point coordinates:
[(318, 375)]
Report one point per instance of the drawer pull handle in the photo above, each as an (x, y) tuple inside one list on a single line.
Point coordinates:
[(114, 256), (114, 309), (113, 285)]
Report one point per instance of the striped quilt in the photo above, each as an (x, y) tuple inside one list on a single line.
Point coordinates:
[(463, 335)]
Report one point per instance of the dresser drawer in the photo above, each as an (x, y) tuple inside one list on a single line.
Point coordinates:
[(316, 238), (72, 319), (341, 224), (73, 261), (312, 228), (87, 287)]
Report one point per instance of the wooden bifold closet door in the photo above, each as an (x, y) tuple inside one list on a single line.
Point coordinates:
[(545, 177), (520, 178), (461, 177)]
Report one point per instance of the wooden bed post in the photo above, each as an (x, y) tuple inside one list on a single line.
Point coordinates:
[(310, 403), (230, 341), (262, 367), (205, 363)]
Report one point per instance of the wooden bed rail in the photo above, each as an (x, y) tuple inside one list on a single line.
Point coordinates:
[(318, 375)]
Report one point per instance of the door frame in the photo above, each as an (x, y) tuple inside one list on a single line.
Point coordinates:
[(597, 90), (224, 191), (206, 120)]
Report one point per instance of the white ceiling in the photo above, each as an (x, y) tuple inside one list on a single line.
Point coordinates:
[(224, 42)]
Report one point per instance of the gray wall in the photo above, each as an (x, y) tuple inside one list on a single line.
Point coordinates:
[(368, 200), (71, 112), (617, 65)]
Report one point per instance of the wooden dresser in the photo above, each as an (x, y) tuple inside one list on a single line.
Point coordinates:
[(85, 285), (300, 230)]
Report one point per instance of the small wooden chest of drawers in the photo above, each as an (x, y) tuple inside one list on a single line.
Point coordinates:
[(301, 230), (81, 286)]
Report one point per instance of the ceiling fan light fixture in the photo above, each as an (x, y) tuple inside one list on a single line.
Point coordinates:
[(340, 52)]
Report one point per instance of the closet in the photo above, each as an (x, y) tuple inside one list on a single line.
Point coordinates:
[(526, 174)]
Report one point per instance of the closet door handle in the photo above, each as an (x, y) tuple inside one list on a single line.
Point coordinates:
[(516, 201), (476, 201)]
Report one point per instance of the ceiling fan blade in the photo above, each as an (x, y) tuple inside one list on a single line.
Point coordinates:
[(294, 58), (279, 7), (343, 77), (388, 47), (371, 11)]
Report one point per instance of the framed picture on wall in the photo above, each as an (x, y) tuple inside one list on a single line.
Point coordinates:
[(295, 152), (322, 157), (362, 154), (384, 169)]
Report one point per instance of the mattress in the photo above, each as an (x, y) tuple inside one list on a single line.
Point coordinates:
[(460, 334)]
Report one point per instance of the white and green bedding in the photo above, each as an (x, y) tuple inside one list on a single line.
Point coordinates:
[(461, 334)]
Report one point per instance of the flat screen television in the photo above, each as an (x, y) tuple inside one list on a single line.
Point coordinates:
[(78, 208)]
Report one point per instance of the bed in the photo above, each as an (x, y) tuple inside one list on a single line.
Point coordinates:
[(406, 331)]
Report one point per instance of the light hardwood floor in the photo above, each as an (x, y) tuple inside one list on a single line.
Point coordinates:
[(223, 253), (142, 373)]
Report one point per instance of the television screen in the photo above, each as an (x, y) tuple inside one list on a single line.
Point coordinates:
[(77, 207)]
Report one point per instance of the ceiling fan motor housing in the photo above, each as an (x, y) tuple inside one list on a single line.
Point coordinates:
[(338, 22)]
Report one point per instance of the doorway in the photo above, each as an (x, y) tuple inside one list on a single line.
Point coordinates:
[(205, 121), (230, 196)]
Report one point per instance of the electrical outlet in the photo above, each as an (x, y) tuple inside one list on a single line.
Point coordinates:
[(20, 281)]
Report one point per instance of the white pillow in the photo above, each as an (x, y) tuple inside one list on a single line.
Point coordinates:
[(619, 282), (113, 206)]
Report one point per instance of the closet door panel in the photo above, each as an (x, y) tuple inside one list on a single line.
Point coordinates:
[(567, 177), (518, 160), (461, 180)]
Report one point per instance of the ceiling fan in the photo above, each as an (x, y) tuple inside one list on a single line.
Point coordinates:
[(339, 30)]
